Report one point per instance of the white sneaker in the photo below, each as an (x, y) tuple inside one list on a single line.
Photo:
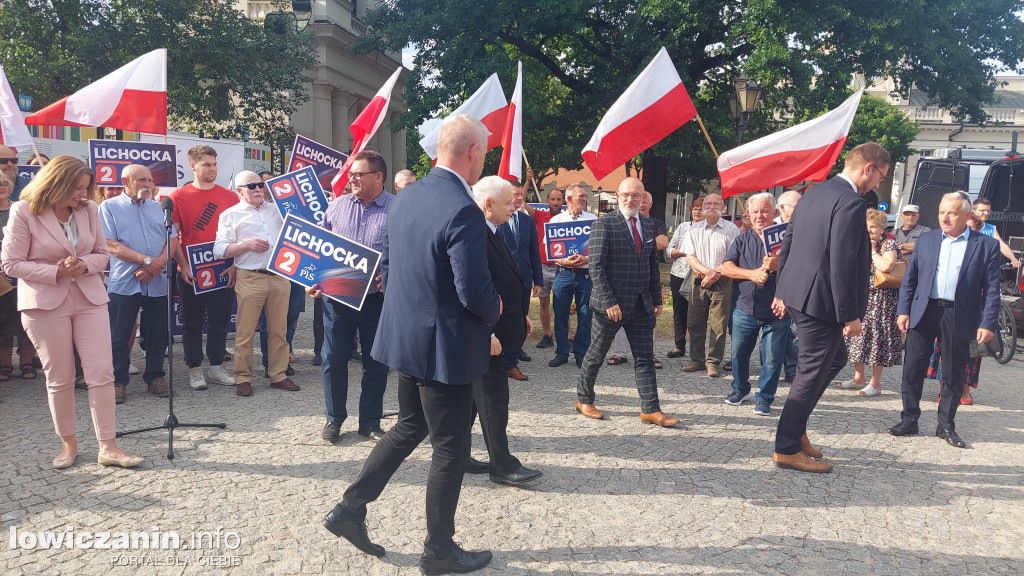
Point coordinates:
[(195, 379), (133, 369), (220, 377)]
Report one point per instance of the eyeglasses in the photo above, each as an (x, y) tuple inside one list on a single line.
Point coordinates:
[(882, 179), (252, 186), (359, 175), (8, 161)]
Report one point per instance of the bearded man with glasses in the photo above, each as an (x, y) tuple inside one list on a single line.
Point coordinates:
[(9, 166)]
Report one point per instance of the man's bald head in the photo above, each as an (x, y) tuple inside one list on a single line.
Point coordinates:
[(630, 195), (138, 182), (462, 146)]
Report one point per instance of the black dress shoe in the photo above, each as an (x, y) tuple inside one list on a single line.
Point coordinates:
[(904, 429), (355, 532), (475, 466), (676, 353), (356, 356), (374, 433), (950, 437), (317, 360), (545, 342), (524, 356), (579, 361), (558, 361), (460, 562), (289, 371), (331, 432), (520, 476)]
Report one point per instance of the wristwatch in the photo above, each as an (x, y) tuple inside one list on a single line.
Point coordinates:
[(147, 261)]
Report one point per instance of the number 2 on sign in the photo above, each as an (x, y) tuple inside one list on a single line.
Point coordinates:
[(286, 261), (207, 279), (558, 250), (107, 174)]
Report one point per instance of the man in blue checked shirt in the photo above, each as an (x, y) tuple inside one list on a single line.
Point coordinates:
[(360, 217), (136, 238)]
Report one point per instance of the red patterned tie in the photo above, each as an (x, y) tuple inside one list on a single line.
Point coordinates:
[(636, 239)]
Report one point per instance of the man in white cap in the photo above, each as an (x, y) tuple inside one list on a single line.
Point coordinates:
[(907, 235)]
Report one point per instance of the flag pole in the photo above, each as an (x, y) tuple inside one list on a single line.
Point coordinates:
[(536, 192), (706, 137), (35, 150)]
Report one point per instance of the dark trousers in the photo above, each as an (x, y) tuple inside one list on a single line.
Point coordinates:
[(512, 356), (340, 324), (211, 308), (936, 323), (490, 400), (822, 355), (318, 326), (123, 310), (295, 298), (680, 306), (639, 329), (445, 413)]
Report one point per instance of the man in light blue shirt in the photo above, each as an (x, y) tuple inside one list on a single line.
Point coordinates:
[(136, 238), (951, 256)]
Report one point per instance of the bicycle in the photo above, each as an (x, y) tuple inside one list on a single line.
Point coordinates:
[(1006, 330)]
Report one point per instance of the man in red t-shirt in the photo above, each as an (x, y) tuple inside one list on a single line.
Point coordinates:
[(197, 208), (555, 201)]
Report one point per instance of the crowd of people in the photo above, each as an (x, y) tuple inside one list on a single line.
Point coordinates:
[(463, 260)]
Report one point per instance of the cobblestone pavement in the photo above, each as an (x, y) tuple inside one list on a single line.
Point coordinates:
[(617, 496)]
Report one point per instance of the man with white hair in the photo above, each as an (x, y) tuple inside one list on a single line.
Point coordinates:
[(440, 308), (403, 178), (787, 203), (495, 198), (748, 264), (133, 224), (626, 295), (246, 232)]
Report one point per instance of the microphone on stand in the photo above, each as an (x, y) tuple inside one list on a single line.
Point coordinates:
[(168, 205)]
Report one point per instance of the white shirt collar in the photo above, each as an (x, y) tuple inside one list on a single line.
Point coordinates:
[(469, 190), (850, 182)]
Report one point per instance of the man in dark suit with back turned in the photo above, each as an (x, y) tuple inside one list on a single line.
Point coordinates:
[(520, 236), (490, 391), (950, 291), (824, 269), (626, 294), (435, 328)]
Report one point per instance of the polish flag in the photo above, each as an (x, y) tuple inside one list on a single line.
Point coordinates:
[(488, 105), (511, 166), (13, 132), (805, 152), (653, 106), (133, 97), (365, 126)]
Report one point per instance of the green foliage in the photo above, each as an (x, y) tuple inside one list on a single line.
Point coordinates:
[(226, 76)]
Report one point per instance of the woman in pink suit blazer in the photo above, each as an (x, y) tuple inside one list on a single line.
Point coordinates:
[(54, 244)]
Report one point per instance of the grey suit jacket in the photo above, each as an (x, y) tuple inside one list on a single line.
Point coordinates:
[(619, 275)]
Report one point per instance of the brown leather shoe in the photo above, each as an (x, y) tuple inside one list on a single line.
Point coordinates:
[(285, 384), (243, 389), (806, 448), (159, 387), (120, 394), (693, 367), (659, 418), (801, 462), (713, 371), (517, 374), (589, 411)]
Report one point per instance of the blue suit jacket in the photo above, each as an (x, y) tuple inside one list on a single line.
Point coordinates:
[(526, 252), (439, 302), (977, 301)]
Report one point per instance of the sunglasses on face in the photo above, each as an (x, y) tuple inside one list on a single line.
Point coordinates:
[(252, 186), (8, 161)]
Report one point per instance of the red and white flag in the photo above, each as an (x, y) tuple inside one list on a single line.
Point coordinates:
[(13, 132), (511, 166), (488, 105), (805, 152), (133, 97), (653, 106), (365, 126)]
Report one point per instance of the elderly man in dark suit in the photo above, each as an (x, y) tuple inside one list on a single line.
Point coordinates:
[(824, 269), (950, 291), (520, 236), (490, 391), (626, 294), (435, 330)]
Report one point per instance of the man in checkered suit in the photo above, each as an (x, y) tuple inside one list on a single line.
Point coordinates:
[(626, 295)]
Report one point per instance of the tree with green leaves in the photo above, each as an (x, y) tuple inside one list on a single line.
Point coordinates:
[(579, 56), (226, 75)]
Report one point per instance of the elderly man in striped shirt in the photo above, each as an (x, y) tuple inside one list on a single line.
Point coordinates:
[(360, 217)]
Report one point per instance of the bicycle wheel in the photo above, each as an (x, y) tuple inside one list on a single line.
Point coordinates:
[(1006, 333)]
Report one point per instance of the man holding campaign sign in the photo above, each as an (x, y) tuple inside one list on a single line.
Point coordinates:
[(299, 193), (566, 237), (245, 232)]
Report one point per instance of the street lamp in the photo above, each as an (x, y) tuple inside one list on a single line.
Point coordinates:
[(741, 104), (282, 21)]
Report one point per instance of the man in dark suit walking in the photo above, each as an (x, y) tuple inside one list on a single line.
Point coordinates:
[(626, 294), (490, 391), (520, 236), (824, 269), (435, 327), (950, 291)]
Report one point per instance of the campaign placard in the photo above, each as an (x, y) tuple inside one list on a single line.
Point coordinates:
[(325, 161), (29, 171), (540, 206), (772, 237), (108, 158), (209, 273), (307, 254), (299, 193), (564, 239)]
